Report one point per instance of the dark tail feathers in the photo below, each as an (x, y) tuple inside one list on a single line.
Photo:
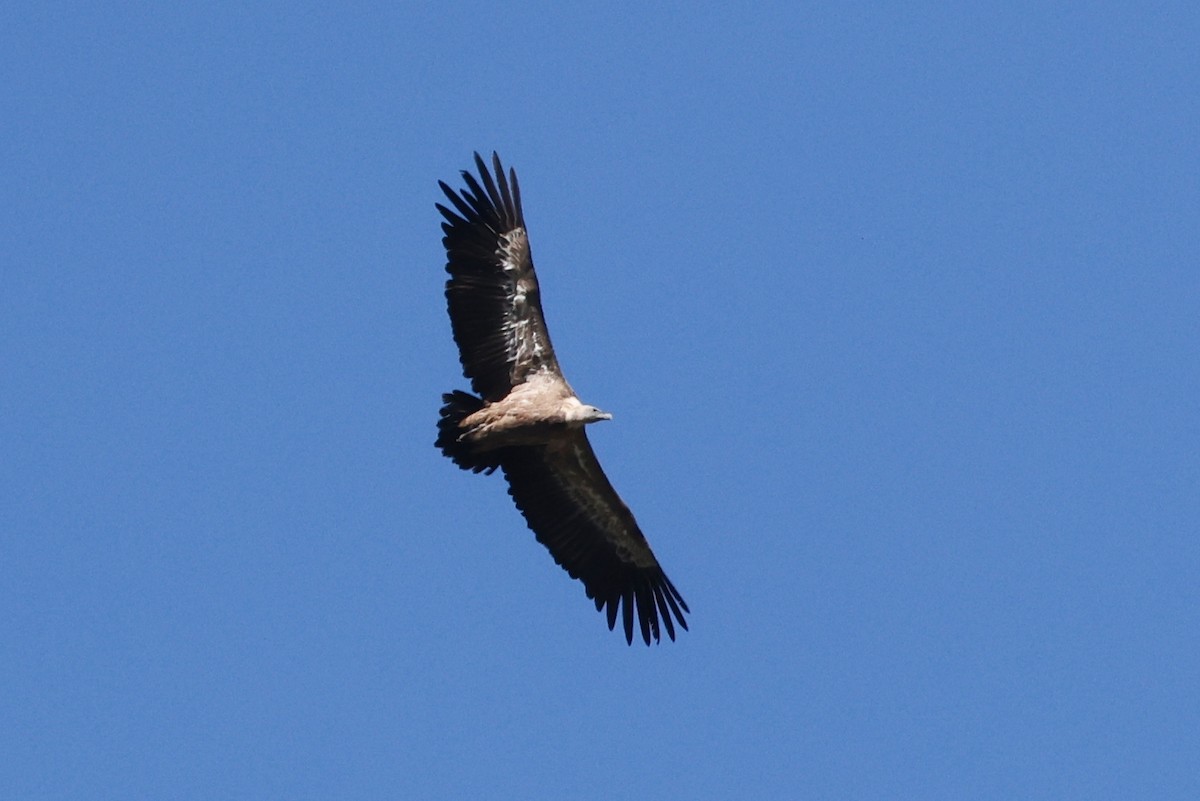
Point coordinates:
[(457, 405)]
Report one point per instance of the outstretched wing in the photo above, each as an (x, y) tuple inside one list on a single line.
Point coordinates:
[(492, 295), (575, 512)]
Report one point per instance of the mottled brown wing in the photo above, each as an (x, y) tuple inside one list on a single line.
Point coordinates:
[(575, 512), (492, 295)]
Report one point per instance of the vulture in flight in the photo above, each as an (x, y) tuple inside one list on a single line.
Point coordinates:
[(525, 419)]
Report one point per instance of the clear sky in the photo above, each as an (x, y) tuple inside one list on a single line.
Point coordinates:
[(896, 305)]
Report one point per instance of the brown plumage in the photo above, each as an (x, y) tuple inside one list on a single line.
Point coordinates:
[(527, 421)]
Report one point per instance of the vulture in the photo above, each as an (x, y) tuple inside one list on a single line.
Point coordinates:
[(525, 420)]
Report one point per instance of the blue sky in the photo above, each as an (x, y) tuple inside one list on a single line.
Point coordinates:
[(895, 305)]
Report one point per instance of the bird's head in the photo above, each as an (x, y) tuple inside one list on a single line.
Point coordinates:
[(584, 414)]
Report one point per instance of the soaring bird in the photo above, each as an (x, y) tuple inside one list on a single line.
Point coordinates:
[(525, 419)]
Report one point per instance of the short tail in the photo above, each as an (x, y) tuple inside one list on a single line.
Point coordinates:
[(457, 405)]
